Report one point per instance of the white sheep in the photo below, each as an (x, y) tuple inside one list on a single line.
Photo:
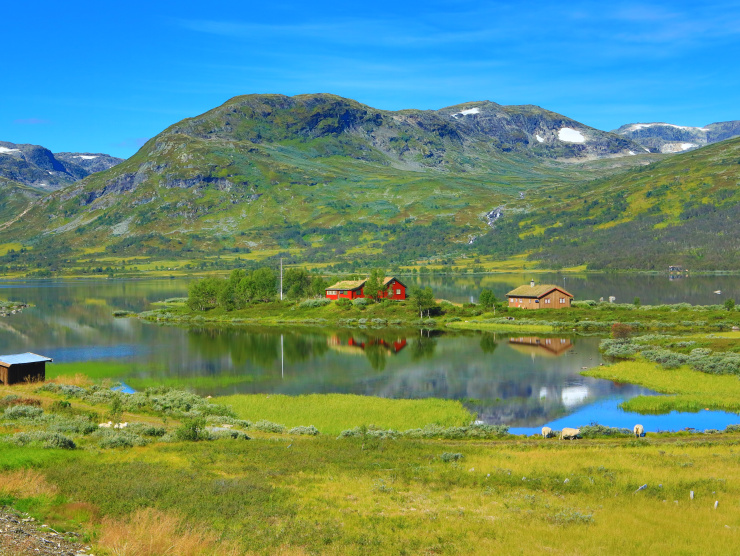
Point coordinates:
[(546, 432), (639, 430), (107, 425), (569, 434)]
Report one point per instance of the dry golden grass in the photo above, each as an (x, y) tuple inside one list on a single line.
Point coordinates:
[(25, 483), (150, 532), (72, 380)]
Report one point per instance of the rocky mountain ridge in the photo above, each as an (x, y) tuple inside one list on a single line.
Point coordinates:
[(671, 138), (38, 167)]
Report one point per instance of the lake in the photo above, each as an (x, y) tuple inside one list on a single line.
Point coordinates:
[(522, 381)]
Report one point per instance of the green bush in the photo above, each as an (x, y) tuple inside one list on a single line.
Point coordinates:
[(312, 303), (360, 302), (22, 411), (451, 456), (268, 426), (51, 440), (343, 303), (310, 430), (192, 430)]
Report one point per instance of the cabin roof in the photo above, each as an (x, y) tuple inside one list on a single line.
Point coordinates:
[(357, 284), (347, 285), (536, 291), (22, 358)]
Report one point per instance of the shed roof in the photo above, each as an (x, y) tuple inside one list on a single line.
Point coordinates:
[(21, 358), (536, 291), (388, 279)]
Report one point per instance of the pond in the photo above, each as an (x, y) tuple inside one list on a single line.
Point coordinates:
[(522, 381)]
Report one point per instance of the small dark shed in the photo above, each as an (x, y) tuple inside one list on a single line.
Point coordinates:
[(22, 366)]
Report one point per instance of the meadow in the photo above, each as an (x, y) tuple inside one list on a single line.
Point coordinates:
[(290, 493)]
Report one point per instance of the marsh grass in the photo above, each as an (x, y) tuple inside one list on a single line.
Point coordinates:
[(689, 390), (333, 413)]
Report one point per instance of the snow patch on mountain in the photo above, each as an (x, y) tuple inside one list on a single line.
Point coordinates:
[(7, 150), (635, 127), (539, 139), (570, 135), (85, 157), (469, 111)]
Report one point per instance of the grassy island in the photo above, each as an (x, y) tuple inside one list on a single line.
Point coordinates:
[(585, 317)]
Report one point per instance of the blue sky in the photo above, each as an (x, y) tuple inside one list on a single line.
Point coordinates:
[(104, 76)]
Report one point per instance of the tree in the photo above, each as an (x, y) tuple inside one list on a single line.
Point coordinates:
[(296, 282), (264, 284), (730, 304), (318, 286), (636, 302), (487, 299), (203, 294), (374, 285), (423, 299)]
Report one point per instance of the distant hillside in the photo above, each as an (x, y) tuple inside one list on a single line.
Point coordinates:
[(38, 167), (682, 210), (671, 138), (324, 174)]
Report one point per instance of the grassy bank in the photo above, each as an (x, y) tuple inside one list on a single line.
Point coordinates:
[(282, 493), (688, 390), (333, 413)]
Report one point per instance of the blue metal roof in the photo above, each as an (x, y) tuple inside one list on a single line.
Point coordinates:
[(21, 358)]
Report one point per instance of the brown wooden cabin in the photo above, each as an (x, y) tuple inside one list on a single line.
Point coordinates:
[(21, 367), (545, 296), (392, 288)]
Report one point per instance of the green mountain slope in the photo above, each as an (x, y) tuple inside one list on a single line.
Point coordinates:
[(682, 210), (324, 174), (15, 198)]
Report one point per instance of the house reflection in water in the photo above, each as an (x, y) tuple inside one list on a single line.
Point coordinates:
[(354, 346), (533, 345)]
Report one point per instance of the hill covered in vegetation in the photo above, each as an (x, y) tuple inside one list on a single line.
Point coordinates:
[(322, 178)]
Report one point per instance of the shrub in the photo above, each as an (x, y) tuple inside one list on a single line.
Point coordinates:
[(310, 430), (620, 330), (192, 430), (319, 302), (451, 456), (360, 302), (47, 439), (594, 430), (22, 411), (343, 303), (233, 435), (268, 426)]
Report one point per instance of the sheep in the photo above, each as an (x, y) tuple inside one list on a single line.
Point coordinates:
[(569, 434), (639, 430), (546, 432)]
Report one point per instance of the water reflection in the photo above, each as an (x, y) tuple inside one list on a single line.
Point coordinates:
[(536, 346), (521, 381)]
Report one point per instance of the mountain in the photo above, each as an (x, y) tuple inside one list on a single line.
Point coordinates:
[(323, 175), (38, 167), (682, 210), (15, 198), (671, 138)]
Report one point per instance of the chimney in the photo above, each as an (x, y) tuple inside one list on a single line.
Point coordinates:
[(532, 283)]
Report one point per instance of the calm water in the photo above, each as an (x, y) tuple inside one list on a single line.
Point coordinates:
[(524, 382)]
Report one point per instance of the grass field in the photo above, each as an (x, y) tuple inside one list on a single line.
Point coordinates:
[(333, 413), (289, 494)]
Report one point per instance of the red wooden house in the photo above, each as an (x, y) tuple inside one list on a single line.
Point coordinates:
[(392, 288)]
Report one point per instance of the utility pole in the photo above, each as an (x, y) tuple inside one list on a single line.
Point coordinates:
[(281, 278)]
